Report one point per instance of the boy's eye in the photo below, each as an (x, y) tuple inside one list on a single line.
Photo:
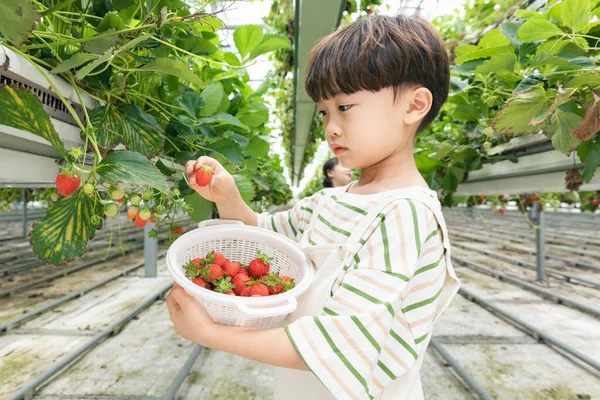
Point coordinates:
[(344, 107)]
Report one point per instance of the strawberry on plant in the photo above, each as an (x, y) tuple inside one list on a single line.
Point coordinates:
[(200, 282), (110, 210), (144, 214), (147, 195), (273, 282), (231, 268), (260, 266), (140, 223), (176, 229), (212, 272), (116, 192), (88, 189), (132, 212), (259, 289), (502, 211), (241, 282), (223, 285), (135, 200), (54, 196), (216, 258), (67, 182), (204, 175), (152, 218)]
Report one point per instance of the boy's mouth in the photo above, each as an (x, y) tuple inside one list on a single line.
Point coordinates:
[(337, 149)]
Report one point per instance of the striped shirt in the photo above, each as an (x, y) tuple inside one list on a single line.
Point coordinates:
[(376, 324)]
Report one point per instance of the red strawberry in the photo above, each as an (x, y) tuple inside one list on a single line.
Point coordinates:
[(140, 223), (256, 295), (200, 282), (212, 273), (243, 270), (204, 175), (245, 292), (481, 197), (231, 269), (197, 260), (502, 211), (224, 285), (241, 282), (595, 202), (273, 282), (67, 183), (230, 293), (259, 289), (215, 257), (259, 266), (535, 197), (287, 283), (177, 231), (132, 212)]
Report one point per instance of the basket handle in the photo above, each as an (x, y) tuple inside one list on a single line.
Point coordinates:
[(286, 308), (211, 222)]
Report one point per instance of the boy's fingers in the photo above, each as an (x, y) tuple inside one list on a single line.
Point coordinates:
[(189, 166), (172, 305), (211, 162)]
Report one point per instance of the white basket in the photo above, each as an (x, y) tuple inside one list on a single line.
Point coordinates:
[(239, 243)]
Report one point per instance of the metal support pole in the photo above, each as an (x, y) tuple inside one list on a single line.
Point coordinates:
[(538, 218), (540, 248), (24, 200), (473, 212), (150, 252)]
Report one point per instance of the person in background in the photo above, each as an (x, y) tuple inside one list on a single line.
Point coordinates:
[(335, 174)]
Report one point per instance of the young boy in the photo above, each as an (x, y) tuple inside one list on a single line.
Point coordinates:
[(363, 333)]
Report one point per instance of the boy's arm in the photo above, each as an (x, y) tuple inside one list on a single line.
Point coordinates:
[(237, 209)]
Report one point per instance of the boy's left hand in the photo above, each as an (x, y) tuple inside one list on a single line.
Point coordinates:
[(189, 317)]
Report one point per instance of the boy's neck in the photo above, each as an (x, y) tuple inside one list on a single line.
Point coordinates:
[(397, 171)]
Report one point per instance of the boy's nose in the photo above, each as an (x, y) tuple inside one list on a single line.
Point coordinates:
[(332, 129)]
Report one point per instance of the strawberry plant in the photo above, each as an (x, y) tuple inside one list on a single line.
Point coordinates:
[(166, 91)]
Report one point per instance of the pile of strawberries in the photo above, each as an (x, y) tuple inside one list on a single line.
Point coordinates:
[(215, 272)]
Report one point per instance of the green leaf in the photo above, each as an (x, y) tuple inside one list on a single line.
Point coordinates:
[(449, 182), (212, 96), (257, 148), (224, 119), (528, 82), (134, 43), (86, 70), (270, 42), (102, 45), (251, 119), (17, 19), (197, 45), (504, 62), (509, 29), (191, 102), (493, 38), (444, 149), (466, 112), (128, 123), (67, 227), (592, 79), (169, 66), (575, 14), (130, 167), (239, 139), (76, 61), (538, 29), (228, 149), (484, 53), (245, 186), (232, 59), (426, 164), (514, 119), (247, 38), (589, 153), (563, 139), (201, 208), (21, 109)]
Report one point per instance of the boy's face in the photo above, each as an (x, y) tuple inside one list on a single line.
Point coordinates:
[(366, 127)]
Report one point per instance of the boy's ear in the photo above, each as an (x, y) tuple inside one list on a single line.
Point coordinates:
[(419, 103)]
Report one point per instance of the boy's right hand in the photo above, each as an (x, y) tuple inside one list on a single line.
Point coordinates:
[(221, 189)]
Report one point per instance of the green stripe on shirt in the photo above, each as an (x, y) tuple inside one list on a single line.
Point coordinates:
[(403, 343), (423, 303), (349, 206), (341, 356), (368, 297), (333, 227), (415, 225), (386, 245)]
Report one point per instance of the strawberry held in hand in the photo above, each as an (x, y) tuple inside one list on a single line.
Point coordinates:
[(204, 175), (67, 183), (260, 266)]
